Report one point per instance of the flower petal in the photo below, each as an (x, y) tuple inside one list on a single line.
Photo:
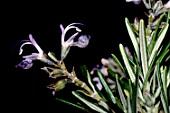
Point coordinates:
[(25, 64), (82, 42), (34, 43), (33, 56)]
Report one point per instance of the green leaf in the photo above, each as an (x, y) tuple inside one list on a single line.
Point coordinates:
[(140, 95), (155, 53), (119, 103), (121, 94), (163, 54), (151, 68), (87, 74), (118, 62), (168, 77), (72, 104), (123, 80), (85, 71), (158, 42), (146, 83), (132, 36), (89, 104), (52, 56), (134, 91), (157, 93), (164, 80), (127, 64), (130, 90), (138, 71), (168, 17), (163, 95), (106, 87), (88, 97), (155, 33), (143, 47), (129, 104), (131, 62), (153, 84)]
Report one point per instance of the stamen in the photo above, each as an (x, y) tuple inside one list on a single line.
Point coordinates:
[(21, 50)]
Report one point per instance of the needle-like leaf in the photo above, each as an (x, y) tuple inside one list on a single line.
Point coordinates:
[(127, 64), (158, 42), (143, 47), (132, 36), (121, 94), (88, 103), (106, 87)]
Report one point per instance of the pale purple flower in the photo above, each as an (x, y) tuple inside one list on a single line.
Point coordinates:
[(25, 64), (34, 43), (103, 70), (82, 42), (134, 1), (28, 59), (98, 83), (96, 80), (111, 64)]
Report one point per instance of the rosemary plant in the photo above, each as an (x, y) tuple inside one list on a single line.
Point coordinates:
[(138, 82)]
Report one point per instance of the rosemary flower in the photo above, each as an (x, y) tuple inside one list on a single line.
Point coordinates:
[(82, 42), (28, 59)]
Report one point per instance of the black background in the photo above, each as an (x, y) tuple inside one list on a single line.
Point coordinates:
[(25, 90)]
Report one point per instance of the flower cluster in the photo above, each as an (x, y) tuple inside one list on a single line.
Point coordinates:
[(82, 42)]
